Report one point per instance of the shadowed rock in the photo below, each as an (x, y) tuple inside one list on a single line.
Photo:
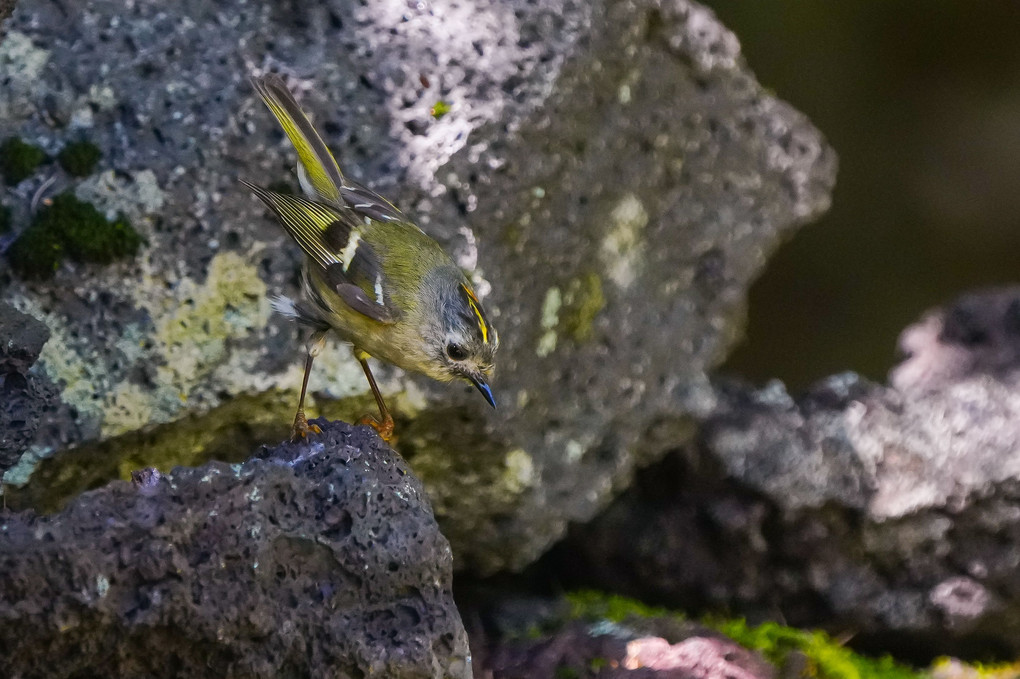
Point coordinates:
[(531, 638), (24, 397), (321, 560), (890, 511)]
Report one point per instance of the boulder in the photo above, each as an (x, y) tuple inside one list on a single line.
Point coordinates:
[(321, 559), (887, 510), (611, 173)]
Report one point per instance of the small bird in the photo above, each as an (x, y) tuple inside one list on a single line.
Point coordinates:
[(371, 275)]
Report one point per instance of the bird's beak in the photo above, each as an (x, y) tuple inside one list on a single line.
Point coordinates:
[(484, 388)]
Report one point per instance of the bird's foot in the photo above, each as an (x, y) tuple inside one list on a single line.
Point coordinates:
[(301, 428), (384, 428)]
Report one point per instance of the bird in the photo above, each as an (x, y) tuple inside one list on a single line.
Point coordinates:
[(371, 275)]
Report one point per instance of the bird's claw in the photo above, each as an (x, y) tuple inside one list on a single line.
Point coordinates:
[(384, 428), (302, 429)]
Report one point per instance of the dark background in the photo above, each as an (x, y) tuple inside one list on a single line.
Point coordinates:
[(922, 103)]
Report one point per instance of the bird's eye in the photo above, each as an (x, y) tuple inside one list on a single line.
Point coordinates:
[(456, 351)]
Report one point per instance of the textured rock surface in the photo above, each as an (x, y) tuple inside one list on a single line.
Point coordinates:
[(618, 653), (24, 396), (322, 560), (526, 638), (891, 511), (611, 171), (6, 7)]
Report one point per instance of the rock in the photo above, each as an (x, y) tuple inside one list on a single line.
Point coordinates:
[(611, 172), (653, 647), (21, 339), (24, 396), (6, 7), (580, 648), (321, 560), (889, 510)]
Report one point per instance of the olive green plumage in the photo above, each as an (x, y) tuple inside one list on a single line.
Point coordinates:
[(371, 275)]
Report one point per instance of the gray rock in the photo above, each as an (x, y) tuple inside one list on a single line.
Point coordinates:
[(891, 510), (321, 560), (21, 339), (611, 171), (554, 640), (6, 7), (24, 396)]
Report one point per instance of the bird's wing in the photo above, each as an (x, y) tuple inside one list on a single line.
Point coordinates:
[(333, 239), (368, 203)]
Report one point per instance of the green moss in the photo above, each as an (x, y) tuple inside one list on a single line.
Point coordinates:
[(72, 228), (36, 253), (18, 160), (79, 158), (590, 605), (5, 219), (951, 667), (826, 659), (232, 432)]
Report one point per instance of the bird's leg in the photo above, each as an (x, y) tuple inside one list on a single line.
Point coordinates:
[(385, 425), (301, 428)]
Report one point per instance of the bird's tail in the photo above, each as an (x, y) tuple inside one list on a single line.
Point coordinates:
[(318, 166)]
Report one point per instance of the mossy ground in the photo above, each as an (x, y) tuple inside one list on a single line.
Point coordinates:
[(79, 158), (821, 656), (232, 432), (824, 657), (18, 160), (68, 227)]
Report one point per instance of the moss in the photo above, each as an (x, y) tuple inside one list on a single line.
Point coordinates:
[(36, 253), (5, 219), (951, 667), (19, 159), (79, 158), (231, 432), (825, 658), (591, 605), (72, 228)]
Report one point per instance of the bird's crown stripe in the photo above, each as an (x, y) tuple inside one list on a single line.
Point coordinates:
[(475, 307)]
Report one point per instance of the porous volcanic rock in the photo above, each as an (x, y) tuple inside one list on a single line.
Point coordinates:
[(321, 560)]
